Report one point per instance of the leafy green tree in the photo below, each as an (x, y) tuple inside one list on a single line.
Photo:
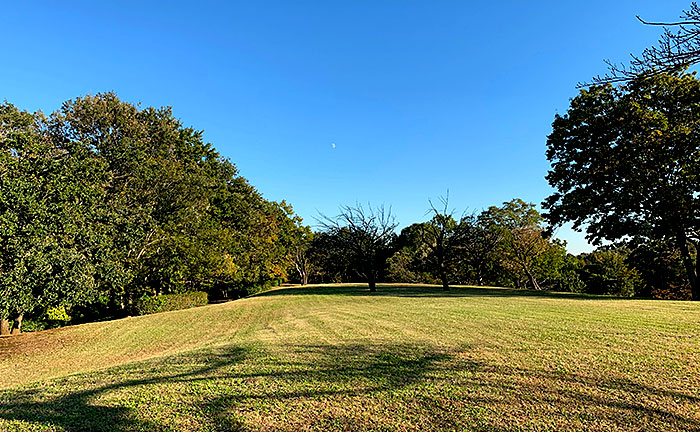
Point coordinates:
[(158, 190), (605, 271), (523, 241), (626, 163), (481, 249), (409, 263), (47, 241), (330, 259), (103, 203), (660, 266), (302, 241)]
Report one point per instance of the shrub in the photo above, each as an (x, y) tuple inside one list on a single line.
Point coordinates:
[(47, 318), (170, 302)]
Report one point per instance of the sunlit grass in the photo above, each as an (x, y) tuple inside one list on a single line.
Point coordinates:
[(338, 358)]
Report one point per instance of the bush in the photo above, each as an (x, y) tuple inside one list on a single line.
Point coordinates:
[(170, 302), (47, 318)]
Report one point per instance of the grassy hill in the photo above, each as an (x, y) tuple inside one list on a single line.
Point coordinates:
[(338, 358)]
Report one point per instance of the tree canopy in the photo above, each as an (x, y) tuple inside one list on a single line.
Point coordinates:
[(626, 163), (103, 202)]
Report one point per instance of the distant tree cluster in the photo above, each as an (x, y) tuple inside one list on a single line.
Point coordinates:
[(506, 246), (102, 203)]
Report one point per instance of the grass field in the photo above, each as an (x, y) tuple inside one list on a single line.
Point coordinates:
[(338, 358)]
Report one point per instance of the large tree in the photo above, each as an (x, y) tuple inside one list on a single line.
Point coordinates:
[(103, 202), (48, 241), (626, 164)]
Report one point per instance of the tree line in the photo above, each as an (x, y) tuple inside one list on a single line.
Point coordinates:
[(509, 246), (103, 202)]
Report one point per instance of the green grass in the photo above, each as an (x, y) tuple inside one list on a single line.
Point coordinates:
[(337, 358)]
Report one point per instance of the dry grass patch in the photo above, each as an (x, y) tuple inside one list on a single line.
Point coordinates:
[(407, 359)]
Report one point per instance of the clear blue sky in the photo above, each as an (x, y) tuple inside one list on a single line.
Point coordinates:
[(418, 97)]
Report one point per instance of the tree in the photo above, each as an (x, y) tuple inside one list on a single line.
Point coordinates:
[(523, 241), (366, 234), (410, 262), (48, 191), (480, 247), (330, 260), (160, 181), (677, 49), (605, 271), (445, 238), (303, 238), (626, 162), (660, 267)]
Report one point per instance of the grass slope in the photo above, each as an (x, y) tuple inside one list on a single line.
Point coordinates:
[(337, 358)]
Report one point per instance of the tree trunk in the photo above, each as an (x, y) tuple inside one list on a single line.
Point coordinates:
[(443, 270), (372, 283), (445, 283), (695, 289), (304, 278), (17, 325), (4, 327), (689, 267), (533, 281)]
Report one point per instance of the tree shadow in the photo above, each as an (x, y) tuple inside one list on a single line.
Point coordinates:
[(76, 403), (56, 403), (428, 291), (324, 386)]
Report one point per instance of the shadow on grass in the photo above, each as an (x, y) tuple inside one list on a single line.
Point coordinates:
[(341, 387), (70, 403), (122, 399), (409, 290)]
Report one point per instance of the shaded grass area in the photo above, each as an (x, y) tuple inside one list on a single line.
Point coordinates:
[(411, 358), (424, 290)]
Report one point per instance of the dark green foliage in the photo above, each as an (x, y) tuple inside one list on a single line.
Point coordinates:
[(445, 239), (660, 266), (410, 261), (331, 262), (605, 271), (524, 255), (103, 203), (505, 246), (626, 164), (170, 302), (48, 195)]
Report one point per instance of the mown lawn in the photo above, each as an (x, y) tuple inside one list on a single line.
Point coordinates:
[(337, 358)]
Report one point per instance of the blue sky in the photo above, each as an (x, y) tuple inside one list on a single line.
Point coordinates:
[(324, 103)]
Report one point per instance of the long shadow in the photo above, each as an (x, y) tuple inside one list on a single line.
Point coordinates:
[(408, 290), (78, 411), (317, 383), (378, 367)]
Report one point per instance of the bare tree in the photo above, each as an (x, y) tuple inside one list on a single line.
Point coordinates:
[(365, 234), (445, 237), (677, 49)]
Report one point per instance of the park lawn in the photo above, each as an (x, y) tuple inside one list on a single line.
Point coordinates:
[(408, 358)]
